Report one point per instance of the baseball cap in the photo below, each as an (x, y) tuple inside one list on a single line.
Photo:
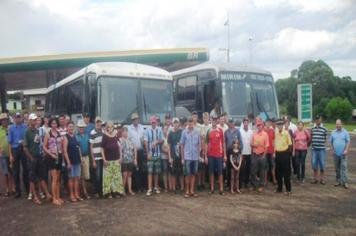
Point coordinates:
[(231, 120), (18, 114), (98, 119), (32, 116), (317, 117), (175, 120)]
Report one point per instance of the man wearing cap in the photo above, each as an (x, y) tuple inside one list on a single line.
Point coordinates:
[(318, 139), (4, 154), (95, 139), (259, 146), (83, 140), (35, 160), (246, 137), (283, 160), (190, 149), (153, 140), (136, 136), (215, 154), (17, 156), (231, 134)]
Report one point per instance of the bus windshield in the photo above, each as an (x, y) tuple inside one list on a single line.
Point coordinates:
[(248, 93), (118, 98), (157, 98)]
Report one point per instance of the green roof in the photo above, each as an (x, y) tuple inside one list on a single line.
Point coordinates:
[(159, 56)]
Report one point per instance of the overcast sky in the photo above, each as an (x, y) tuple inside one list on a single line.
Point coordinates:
[(277, 35)]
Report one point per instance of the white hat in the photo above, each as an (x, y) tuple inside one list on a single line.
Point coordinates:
[(3, 116), (32, 116), (81, 124)]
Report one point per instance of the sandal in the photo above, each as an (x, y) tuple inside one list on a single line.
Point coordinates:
[(73, 200), (131, 193), (186, 195), (56, 203), (194, 195), (80, 199), (37, 201), (6, 194)]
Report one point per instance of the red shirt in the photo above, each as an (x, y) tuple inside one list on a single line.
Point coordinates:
[(270, 133), (215, 143)]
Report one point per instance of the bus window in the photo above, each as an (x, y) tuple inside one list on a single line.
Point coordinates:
[(75, 93), (118, 98), (210, 95), (186, 88)]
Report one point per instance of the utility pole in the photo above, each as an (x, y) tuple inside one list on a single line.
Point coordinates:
[(227, 49)]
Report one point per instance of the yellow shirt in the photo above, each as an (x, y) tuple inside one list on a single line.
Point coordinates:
[(282, 140)]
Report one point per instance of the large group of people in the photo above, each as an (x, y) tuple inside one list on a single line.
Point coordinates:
[(52, 156)]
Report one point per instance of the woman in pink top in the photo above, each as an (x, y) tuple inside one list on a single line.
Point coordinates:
[(300, 148)]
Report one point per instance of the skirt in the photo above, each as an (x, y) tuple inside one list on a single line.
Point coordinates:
[(112, 178)]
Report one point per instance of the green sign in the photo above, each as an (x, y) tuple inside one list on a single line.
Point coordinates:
[(305, 102)]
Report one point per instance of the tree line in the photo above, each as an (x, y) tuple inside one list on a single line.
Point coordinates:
[(333, 96)]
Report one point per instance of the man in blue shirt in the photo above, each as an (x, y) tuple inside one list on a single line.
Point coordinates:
[(17, 155), (89, 126), (190, 148), (340, 144)]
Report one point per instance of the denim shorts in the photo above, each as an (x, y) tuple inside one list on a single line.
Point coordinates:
[(190, 167), (154, 166), (319, 159), (4, 165), (215, 165), (74, 171)]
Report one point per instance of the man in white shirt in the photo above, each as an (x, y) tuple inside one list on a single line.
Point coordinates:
[(136, 135), (246, 137)]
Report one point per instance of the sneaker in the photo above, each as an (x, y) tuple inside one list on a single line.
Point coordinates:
[(337, 184), (42, 195), (30, 197), (149, 193), (346, 186), (322, 182), (157, 191)]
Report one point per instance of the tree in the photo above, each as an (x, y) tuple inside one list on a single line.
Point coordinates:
[(338, 108), (325, 87)]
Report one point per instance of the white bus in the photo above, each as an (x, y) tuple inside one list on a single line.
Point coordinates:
[(238, 90), (113, 90)]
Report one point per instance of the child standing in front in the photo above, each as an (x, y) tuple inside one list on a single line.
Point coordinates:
[(235, 159)]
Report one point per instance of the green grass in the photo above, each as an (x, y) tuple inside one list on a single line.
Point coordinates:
[(348, 127)]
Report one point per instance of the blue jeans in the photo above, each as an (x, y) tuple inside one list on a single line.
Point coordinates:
[(300, 156), (319, 159), (20, 160), (258, 169), (340, 168)]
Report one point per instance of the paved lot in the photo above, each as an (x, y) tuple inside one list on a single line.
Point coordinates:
[(311, 210)]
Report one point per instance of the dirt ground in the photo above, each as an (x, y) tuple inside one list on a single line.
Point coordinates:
[(310, 210)]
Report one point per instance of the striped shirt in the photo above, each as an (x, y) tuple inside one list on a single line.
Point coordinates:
[(96, 138), (318, 137)]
